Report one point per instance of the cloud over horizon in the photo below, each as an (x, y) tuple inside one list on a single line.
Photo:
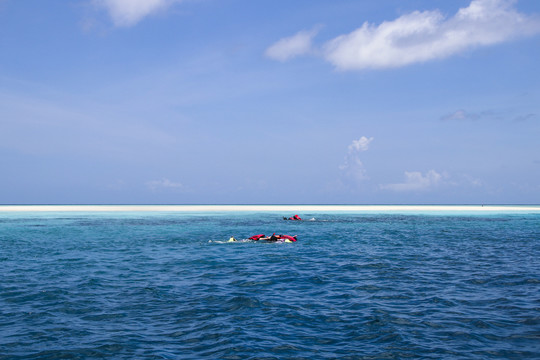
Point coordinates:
[(415, 181), (419, 36), (352, 165)]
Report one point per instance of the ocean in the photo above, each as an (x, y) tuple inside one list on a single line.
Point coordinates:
[(360, 283)]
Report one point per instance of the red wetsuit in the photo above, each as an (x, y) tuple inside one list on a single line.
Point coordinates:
[(287, 237)]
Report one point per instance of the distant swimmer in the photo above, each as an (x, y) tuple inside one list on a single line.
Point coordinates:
[(288, 238), (295, 217), (261, 237), (232, 239), (271, 238), (278, 238), (274, 238)]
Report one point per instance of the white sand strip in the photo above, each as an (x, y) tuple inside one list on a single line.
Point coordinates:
[(269, 208)]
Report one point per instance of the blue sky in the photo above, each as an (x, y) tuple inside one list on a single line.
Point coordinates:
[(242, 102)]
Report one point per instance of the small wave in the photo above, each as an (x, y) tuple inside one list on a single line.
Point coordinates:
[(230, 242), (354, 286)]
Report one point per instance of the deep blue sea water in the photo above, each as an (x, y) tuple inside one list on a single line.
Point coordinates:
[(165, 285)]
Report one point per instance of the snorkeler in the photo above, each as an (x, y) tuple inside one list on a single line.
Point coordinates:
[(295, 217), (275, 238), (288, 238)]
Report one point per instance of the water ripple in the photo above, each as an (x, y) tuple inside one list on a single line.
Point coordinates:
[(352, 287)]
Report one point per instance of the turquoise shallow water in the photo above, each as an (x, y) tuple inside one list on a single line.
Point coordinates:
[(165, 285)]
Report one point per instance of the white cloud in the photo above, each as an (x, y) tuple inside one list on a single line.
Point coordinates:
[(290, 47), (418, 36), (472, 181), (164, 183), (490, 115), (353, 166), (415, 181), (428, 35), (457, 115), (423, 36), (462, 115), (361, 144), (125, 13)]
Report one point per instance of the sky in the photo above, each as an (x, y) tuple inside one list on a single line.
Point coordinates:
[(269, 102)]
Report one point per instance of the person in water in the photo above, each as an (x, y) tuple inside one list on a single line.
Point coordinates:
[(275, 238), (295, 217), (288, 238), (232, 239)]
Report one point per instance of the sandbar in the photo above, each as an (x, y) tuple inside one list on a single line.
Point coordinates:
[(269, 208)]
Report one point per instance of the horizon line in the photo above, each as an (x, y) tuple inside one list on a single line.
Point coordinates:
[(263, 207)]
